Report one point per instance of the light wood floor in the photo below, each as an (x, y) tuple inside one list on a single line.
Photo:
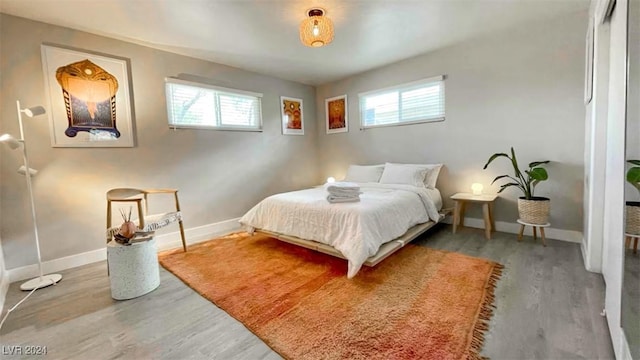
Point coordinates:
[(630, 304), (548, 307)]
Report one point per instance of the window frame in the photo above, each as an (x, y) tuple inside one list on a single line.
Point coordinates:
[(218, 89), (413, 85)]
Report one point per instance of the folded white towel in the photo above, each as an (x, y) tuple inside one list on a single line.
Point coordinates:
[(342, 199), (343, 186), (340, 192)]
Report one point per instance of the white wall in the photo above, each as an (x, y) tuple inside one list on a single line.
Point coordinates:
[(521, 87), (220, 174)]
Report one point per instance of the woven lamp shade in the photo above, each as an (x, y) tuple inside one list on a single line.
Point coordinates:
[(323, 27)]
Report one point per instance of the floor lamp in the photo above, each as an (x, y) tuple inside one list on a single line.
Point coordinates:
[(13, 143)]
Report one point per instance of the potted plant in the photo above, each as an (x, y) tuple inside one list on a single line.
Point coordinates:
[(532, 209), (633, 207)]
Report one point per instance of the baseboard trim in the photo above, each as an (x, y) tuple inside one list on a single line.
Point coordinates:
[(588, 263), (197, 234), (514, 228), (164, 242), (202, 233), (4, 287), (585, 259), (52, 266)]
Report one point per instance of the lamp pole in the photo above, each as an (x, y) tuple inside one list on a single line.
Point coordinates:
[(13, 143), (30, 188), (42, 280)]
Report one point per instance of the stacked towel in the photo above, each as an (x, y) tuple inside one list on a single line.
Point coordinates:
[(341, 192)]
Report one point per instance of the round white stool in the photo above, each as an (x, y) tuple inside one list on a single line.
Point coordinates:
[(133, 269), (540, 226)]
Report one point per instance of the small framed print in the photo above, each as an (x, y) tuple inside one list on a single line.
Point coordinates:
[(292, 119), (336, 112)]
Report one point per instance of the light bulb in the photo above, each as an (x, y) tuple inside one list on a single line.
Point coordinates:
[(476, 188), (331, 179), (316, 30)]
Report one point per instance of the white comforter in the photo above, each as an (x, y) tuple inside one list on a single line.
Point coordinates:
[(356, 229)]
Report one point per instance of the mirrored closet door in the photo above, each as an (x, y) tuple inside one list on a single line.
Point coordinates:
[(630, 316)]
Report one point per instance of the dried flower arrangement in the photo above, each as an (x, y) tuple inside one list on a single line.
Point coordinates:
[(127, 229)]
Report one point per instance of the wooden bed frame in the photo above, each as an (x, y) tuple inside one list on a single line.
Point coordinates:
[(384, 252)]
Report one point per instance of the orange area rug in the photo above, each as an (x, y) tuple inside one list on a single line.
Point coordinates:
[(417, 304)]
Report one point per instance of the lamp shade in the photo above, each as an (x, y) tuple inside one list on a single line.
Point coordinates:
[(476, 188), (34, 111), (12, 142), (317, 29)]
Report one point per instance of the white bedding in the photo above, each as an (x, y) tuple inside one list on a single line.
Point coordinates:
[(356, 229)]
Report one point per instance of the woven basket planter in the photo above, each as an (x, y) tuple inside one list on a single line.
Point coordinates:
[(632, 218), (534, 211)]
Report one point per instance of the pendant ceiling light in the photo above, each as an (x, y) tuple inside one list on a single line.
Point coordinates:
[(317, 29)]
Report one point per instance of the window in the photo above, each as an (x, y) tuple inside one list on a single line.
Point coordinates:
[(416, 102), (200, 106)]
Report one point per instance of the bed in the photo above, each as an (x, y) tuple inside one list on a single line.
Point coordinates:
[(387, 217)]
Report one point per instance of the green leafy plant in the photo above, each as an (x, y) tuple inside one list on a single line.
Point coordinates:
[(525, 182), (633, 174)]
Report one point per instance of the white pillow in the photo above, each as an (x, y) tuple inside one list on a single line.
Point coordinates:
[(431, 178), (403, 174), (364, 173), (431, 175)]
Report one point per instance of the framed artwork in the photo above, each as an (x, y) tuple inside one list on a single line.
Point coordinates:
[(89, 98), (336, 112), (588, 76), (292, 119)]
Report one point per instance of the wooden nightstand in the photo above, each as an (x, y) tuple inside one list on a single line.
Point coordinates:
[(461, 199)]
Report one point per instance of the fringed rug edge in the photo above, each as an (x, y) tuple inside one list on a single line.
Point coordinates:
[(484, 314)]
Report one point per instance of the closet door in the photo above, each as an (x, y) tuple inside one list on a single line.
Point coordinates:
[(612, 261), (630, 314)]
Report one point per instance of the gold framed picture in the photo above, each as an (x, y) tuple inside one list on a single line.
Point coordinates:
[(336, 113), (292, 116)]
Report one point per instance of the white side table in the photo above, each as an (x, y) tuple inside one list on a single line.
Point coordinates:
[(133, 269), (535, 237), (486, 200)]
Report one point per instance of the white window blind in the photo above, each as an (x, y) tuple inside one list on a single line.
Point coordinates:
[(195, 105), (415, 102)]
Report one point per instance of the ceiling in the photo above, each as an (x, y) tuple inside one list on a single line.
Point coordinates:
[(262, 35)]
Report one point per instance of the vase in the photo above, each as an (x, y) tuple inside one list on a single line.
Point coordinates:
[(128, 229)]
